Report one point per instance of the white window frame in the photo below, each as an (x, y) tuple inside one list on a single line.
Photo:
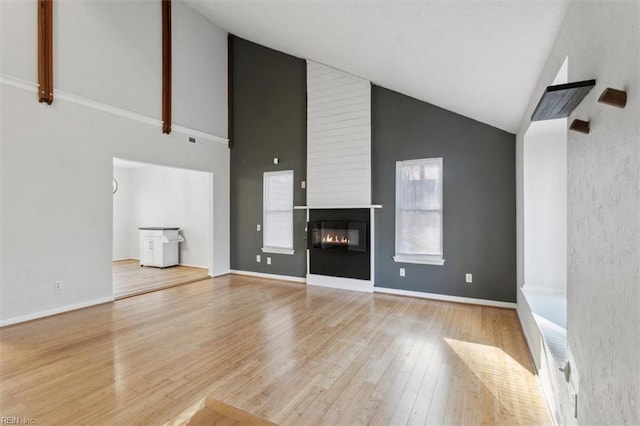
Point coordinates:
[(265, 195), (425, 259)]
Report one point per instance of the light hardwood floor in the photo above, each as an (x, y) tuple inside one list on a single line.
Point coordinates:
[(286, 352), (130, 279)]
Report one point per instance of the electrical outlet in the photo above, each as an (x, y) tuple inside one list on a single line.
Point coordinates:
[(258, 227), (57, 285), (268, 261), (303, 184), (468, 278), (276, 160), (402, 272), (258, 258)]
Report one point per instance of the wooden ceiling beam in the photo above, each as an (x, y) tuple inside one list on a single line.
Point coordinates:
[(230, 89), (166, 66), (45, 51)]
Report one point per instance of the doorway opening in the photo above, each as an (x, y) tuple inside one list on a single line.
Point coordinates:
[(176, 204)]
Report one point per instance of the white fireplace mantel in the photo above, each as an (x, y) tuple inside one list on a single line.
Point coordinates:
[(369, 206)]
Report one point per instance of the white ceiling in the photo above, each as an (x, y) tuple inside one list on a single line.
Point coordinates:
[(480, 59)]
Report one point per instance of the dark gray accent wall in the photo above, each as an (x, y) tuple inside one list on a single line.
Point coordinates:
[(479, 197), (269, 120)]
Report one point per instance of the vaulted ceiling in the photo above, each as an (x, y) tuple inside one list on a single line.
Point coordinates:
[(480, 59)]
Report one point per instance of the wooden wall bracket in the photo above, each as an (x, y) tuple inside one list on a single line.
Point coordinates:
[(166, 66), (613, 97), (580, 126), (45, 51)]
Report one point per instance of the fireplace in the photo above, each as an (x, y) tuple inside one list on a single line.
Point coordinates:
[(337, 235), (339, 244)]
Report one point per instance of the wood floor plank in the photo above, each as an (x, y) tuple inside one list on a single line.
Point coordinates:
[(286, 352)]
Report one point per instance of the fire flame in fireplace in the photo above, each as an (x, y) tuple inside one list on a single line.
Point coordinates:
[(335, 238)]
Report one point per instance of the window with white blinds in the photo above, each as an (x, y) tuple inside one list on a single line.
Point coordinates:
[(419, 211), (277, 233)]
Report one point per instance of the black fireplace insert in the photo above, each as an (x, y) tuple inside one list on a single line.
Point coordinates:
[(337, 235)]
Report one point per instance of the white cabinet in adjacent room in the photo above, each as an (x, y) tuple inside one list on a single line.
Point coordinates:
[(159, 246)]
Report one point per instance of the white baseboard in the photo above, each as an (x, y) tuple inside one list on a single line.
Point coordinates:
[(219, 274), (268, 276), (179, 264), (55, 311), (365, 286), (527, 337), (445, 298), (194, 266)]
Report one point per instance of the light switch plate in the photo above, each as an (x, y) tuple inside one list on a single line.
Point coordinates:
[(268, 261), (276, 160), (303, 184), (258, 227), (402, 272), (468, 278), (258, 258)]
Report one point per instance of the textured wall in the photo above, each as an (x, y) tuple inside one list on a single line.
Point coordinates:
[(602, 41), (479, 197), (269, 120), (604, 217)]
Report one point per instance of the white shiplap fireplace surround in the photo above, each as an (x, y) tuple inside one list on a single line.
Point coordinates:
[(339, 154)]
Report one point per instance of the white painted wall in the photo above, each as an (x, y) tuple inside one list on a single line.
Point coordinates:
[(122, 213), (338, 138), (165, 196), (545, 204), (196, 45), (602, 41), (56, 165), (118, 44)]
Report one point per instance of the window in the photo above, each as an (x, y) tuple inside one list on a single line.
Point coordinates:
[(419, 211), (277, 233)]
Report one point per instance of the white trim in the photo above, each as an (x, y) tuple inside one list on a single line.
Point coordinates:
[(220, 274), (268, 276), (427, 259), (193, 266), (352, 284), (123, 258), (537, 363), (526, 334), (308, 254), (276, 250), (18, 83), (372, 246), (120, 112), (199, 134), (367, 206), (446, 298), (55, 311), (420, 260), (266, 176), (97, 105)]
